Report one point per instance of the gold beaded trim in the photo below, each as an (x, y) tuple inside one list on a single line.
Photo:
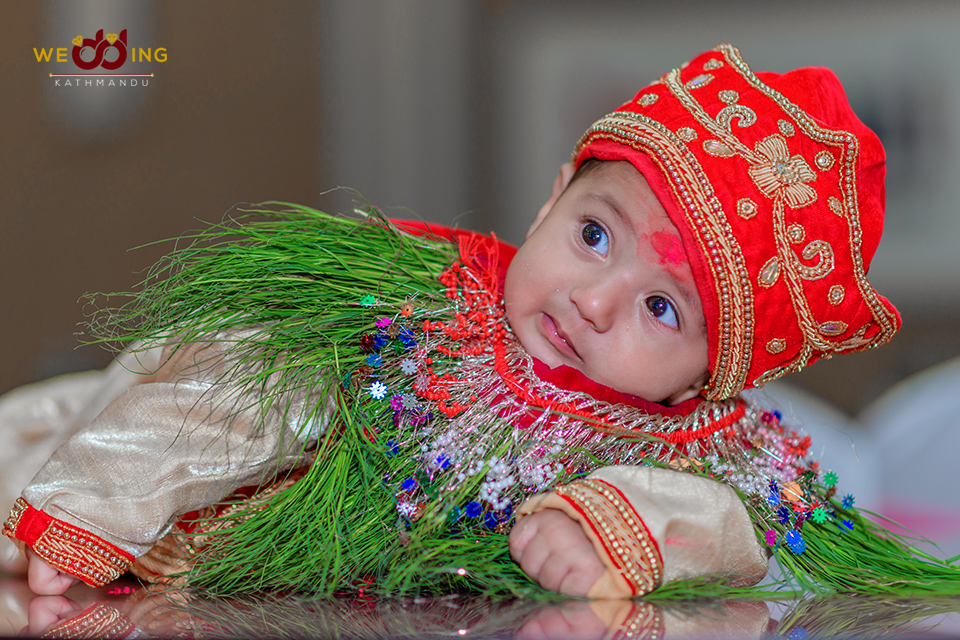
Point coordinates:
[(97, 621), (849, 151), (71, 549), (692, 188), (621, 531), (10, 525), (644, 622)]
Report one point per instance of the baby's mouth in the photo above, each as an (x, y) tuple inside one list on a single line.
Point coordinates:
[(557, 337)]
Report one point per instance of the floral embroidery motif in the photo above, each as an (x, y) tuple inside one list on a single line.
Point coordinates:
[(825, 252), (833, 328), (647, 99), (786, 127), (745, 116), (769, 272), (712, 64), (717, 148), (686, 134), (835, 206), (777, 345), (728, 95), (824, 160), (782, 175), (746, 208), (796, 233), (701, 80), (836, 294)]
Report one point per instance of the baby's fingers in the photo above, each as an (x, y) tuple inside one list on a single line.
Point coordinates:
[(45, 580)]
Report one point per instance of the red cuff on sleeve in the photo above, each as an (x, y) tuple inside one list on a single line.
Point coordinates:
[(66, 547), (625, 539)]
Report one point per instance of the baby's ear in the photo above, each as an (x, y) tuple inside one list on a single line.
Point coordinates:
[(559, 185), (690, 392)]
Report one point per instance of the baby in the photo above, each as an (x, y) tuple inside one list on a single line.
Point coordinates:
[(710, 235)]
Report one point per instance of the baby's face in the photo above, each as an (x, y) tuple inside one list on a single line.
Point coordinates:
[(602, 284)]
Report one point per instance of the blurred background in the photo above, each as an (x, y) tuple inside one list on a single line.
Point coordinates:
[(460, 110)]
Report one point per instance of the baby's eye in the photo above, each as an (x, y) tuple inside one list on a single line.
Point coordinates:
[(595, 237), (662, 309)]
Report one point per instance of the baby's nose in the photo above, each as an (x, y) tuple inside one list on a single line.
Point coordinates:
[(597, 301)]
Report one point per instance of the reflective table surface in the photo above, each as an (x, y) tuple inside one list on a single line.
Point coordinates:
[(126, 610)]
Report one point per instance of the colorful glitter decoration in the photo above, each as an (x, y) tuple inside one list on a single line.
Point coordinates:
[(819, 515), (366, 343), (367, 301), (377, 390), (408, 366), (830, 479), (382, 323), (771, 537), (783, 515), (795, 542), (374, 360), (473, 509), (848, 501)]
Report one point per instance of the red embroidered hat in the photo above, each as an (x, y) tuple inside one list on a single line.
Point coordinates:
[(777, 190)]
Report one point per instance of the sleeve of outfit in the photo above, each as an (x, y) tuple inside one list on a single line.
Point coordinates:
[(172, 444), (651, 525)]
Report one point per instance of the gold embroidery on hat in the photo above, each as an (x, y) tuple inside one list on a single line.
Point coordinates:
[(786, 127), (648, 99), (782, 175), (717, 148), (734, 287), (701, 80), (711, 64), (769, 272), (686, 134), (835, 206), (745, 116), (833, 328), (796, 233), (775, 346), (816, 248), (728, 95), (712, 231), (836, 294), (746, 208), (824, 160)]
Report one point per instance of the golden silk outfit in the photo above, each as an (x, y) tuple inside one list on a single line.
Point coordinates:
[(162, 448)]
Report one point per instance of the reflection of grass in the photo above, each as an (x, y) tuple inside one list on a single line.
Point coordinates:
[(361, 618), (864, 616)]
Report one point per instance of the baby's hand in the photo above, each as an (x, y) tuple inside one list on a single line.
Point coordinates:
[(552, 548), (45, 580)]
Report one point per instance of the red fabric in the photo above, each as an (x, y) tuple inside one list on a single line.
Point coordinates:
[(788, 324), (573, 380), (32, 524)]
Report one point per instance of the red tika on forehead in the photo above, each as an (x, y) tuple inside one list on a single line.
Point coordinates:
[(777, 190)]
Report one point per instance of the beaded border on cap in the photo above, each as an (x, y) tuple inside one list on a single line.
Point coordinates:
[(710, 228)]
